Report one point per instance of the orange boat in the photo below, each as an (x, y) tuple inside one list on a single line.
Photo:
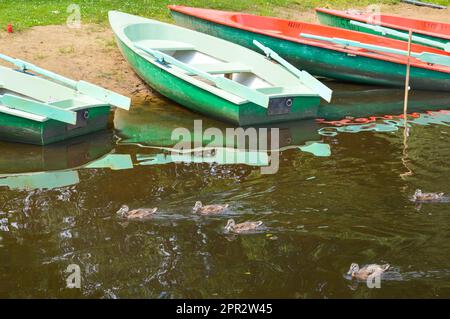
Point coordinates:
[(424, 29), (356, 60)]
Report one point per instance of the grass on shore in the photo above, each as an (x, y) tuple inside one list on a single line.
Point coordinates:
[(24, 13)]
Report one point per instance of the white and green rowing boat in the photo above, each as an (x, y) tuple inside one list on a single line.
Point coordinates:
[(43, 107)]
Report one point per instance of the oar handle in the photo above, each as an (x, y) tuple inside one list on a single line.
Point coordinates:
[(424, 56), (23, 65)]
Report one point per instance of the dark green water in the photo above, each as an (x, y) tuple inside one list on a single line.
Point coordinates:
[(58, 204)]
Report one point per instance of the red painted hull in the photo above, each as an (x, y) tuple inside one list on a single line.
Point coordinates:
[(290, 30), (425, 27)]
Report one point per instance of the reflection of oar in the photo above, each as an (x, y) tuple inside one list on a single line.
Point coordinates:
[(307, 79), (112, 161), (38, 108), (40, 180), (425, 56), (87, 88), (221, 82), (398, 34)]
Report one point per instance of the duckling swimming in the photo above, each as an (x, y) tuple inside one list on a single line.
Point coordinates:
[(427, 197), (209, 209), (242, 227), (139, 213), (366, 271)]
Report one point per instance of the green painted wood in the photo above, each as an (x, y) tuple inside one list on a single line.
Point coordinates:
[(221, 82), (23, 130), (38, 108), (310, 81), (324, 62), (425, 56), (341, 22), (401, 35)]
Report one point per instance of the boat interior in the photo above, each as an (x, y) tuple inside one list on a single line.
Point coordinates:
[(35, 88), (145, 36), (423, 25), (293, 29)]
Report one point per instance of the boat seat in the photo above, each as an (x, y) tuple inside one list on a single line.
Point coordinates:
[(165, 45), (221, 68)]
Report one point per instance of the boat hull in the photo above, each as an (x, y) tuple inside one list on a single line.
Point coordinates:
[(343, 22), (202, 101), (23, 130), (321, 61)]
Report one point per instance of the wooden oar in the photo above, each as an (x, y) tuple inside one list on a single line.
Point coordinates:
[(424, 56), (221, 82), (83, 87), (38, 108), (389, 31), (308, 80)]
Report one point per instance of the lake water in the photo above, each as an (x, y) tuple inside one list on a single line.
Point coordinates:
[(341, 194)]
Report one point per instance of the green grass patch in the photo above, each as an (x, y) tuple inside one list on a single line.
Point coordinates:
[(25, 13)]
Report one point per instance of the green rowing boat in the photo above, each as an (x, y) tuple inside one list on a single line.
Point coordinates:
[(216, 77), (326, 51), (38, 110)]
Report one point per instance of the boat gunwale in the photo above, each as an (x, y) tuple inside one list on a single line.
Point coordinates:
[(343, 14), (317, 43)]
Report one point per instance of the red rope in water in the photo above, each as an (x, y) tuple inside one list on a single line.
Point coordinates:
[(365, 120)]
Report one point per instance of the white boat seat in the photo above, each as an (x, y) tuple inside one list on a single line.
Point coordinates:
[(221, 68), (165, 45)]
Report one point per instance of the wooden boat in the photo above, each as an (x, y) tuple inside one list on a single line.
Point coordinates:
[(38, 110), (216, 77), (326, 51), (430, 33)]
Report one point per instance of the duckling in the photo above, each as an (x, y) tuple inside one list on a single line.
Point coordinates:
[(242, 227), (139, 213), (366, 271), (426, 197), (208, 209)]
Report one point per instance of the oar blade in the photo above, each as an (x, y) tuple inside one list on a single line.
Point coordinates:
[(307, 79), (435, 58), (243, 91), (38, 108), (104, 95)]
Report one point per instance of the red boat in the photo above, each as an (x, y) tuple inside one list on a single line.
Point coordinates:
[(322, 57), (431, 30)]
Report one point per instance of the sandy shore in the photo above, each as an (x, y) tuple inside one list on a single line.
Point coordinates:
[(90, 53)]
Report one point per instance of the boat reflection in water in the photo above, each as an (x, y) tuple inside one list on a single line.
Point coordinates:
[(365, 101), (177, 135), (381, 110), (57, 165)]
